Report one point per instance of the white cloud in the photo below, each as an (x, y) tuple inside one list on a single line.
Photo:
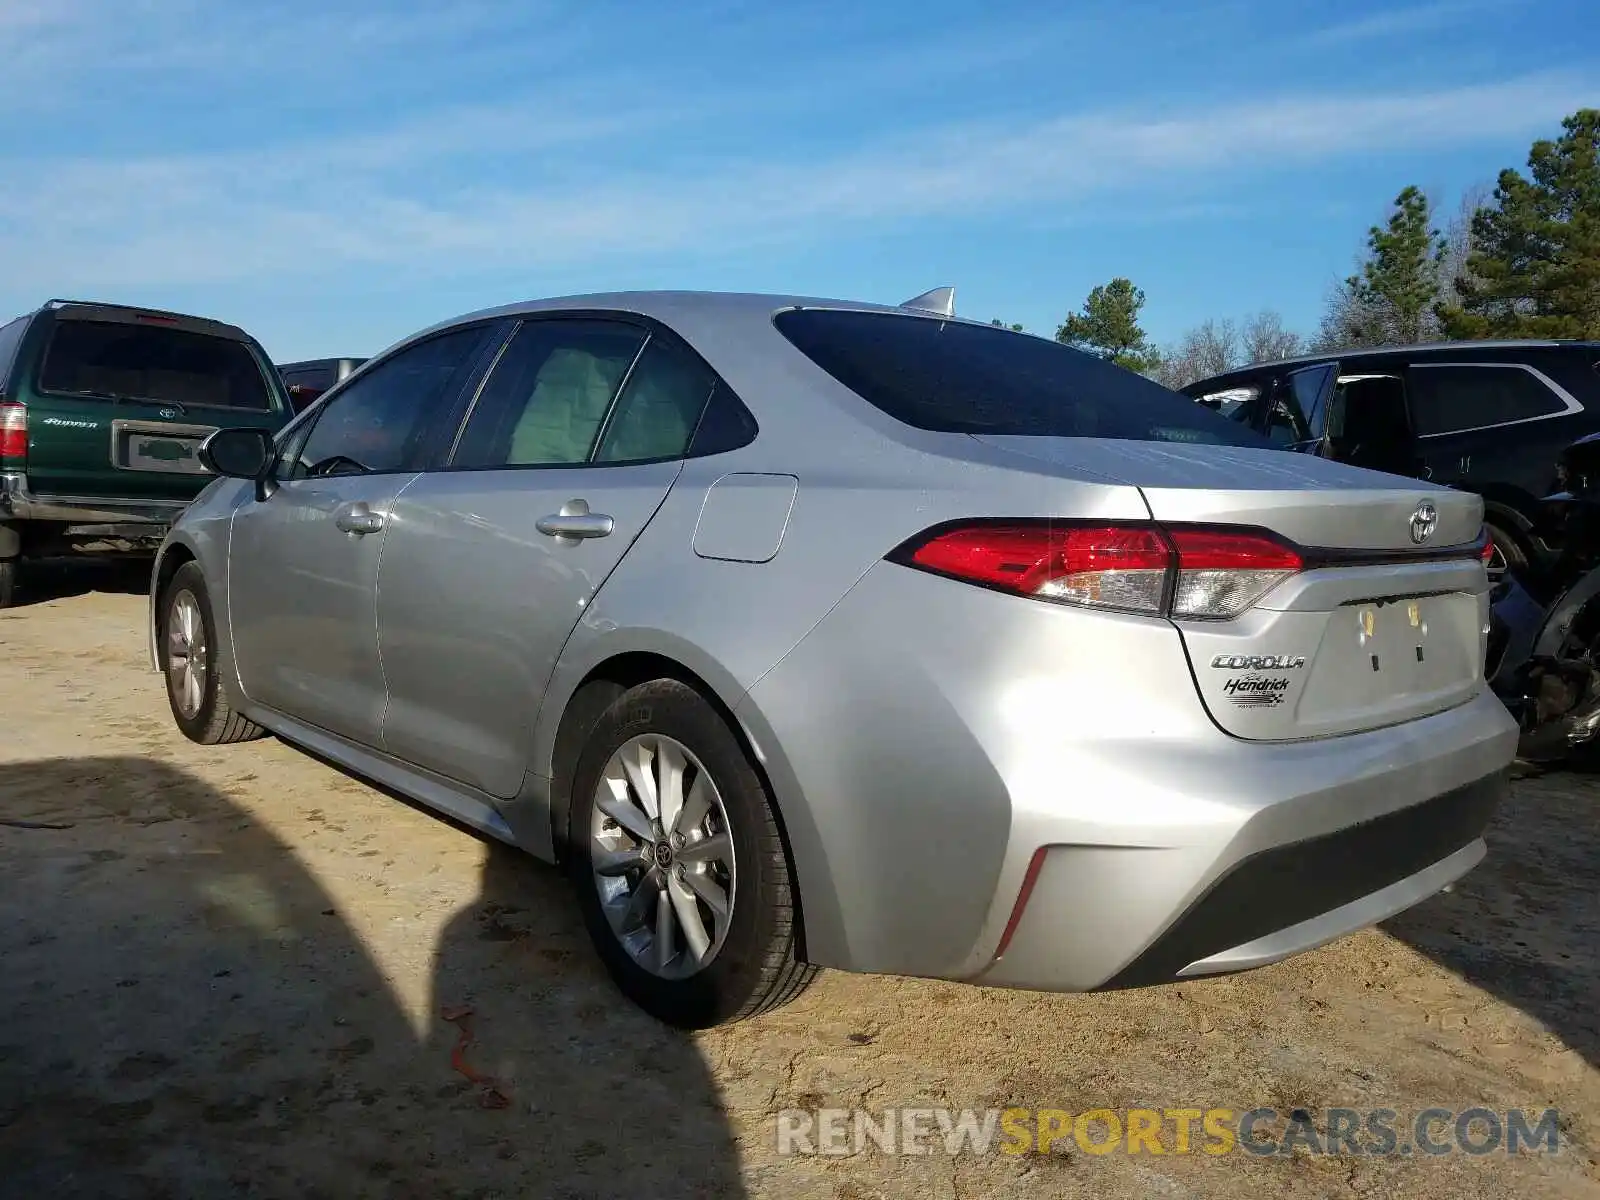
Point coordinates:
[(1395, 22), (407, 195), (593, 165)]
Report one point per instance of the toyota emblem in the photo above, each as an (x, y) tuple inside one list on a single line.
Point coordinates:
[(168, 413), (1423, 522)]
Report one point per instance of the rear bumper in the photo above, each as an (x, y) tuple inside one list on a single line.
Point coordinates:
[(1296, 896), (939, 752), (18, 503), (1323, 851)]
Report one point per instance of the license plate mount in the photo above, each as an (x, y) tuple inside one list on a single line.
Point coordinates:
[(156, 448)]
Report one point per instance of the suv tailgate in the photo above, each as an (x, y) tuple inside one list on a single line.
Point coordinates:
[(119, 400)]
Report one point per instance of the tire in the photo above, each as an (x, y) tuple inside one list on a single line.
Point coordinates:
[(10, 568), (199, 704), (1509, 556), (748, 960)]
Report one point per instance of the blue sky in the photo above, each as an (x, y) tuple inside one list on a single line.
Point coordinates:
[(334, 175)]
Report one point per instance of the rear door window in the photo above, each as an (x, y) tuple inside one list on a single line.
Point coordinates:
[(547, 397), (1455, 398), (113, 360), (952, 377), (659, 407)]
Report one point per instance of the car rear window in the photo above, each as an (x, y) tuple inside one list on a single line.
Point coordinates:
[(952, 377), (140, 362)]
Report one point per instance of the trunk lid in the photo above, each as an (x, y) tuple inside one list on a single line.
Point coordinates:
[(1380, 628)]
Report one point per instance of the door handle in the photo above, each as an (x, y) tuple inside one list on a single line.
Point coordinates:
[(358, 519), (575, 521)]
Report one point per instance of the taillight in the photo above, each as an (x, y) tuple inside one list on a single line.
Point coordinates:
[(1185, 571), (1111, 566), (13, 430), (1223, 572), (1486, 546)]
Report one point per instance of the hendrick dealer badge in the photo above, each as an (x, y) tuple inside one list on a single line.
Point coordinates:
[(1254, 689)]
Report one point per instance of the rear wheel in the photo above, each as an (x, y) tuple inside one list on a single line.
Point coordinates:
[(9, 569), (678, 863), (186, 645)]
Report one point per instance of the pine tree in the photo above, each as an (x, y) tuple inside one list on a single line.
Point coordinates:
[(1108, 325), (1535, 266)]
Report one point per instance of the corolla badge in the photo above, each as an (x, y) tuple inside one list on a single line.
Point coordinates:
[(1423, 522)]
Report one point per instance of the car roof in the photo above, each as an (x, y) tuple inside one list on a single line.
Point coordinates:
[(733, 331), (673, 308)]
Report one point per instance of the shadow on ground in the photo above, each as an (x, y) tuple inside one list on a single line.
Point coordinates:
[(46, 579), (1525, 925), (183, 1012)]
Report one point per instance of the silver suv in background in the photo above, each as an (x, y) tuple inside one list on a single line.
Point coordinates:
[(812, 633)]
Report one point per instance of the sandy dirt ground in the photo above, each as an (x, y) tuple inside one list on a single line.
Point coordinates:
[(226, 978)]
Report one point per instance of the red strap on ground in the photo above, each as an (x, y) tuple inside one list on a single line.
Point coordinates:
[(492, 1094)]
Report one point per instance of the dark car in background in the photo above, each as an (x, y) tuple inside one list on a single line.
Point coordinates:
[(102, 411), (307, 380), (1487, 417)]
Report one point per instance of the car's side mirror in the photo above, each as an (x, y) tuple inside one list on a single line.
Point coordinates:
[(240, 454)]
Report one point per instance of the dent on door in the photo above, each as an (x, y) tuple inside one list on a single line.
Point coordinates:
[(744, 517)]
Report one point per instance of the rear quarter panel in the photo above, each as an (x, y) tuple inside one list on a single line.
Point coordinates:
[(731, 623)]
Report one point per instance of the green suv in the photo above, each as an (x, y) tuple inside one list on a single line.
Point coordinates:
[(102, 410)]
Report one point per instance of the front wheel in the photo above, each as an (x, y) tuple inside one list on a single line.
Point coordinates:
[(187, 647), (679, 865)]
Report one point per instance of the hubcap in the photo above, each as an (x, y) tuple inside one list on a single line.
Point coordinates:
[(186, 654), (662, 857)]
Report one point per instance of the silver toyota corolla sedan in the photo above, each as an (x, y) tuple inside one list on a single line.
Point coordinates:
[(807, 634)]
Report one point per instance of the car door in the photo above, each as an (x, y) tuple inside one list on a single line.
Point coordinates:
[(570, 447), (303, 561)]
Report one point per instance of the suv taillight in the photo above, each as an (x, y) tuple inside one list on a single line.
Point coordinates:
[(1195, 572), (13, 431)]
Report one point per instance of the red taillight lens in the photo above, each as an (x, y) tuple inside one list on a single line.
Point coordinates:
[(1485, 546), (13, 430), (1105, 566), (1199, 573)]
